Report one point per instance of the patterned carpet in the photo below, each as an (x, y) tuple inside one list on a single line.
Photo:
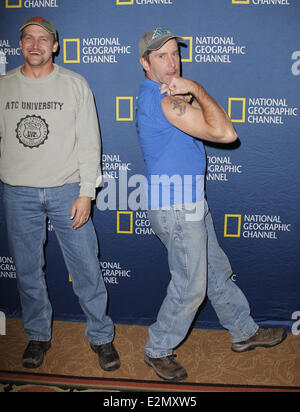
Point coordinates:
[(206, 355)]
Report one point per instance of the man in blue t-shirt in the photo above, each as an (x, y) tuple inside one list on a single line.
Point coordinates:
[(174, 116)]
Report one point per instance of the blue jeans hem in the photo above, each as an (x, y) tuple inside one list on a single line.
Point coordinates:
[(246, 337), (38, 339), (158, 356), (102, 342)]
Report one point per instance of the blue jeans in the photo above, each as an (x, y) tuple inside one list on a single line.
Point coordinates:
[(198, 267), (26, 210)]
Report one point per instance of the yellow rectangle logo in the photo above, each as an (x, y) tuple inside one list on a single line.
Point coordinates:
[(240, 1), (13, 6), (77, 58), (129, 118), (243, 111), (237, 222), (129, 230), (191, 42), (125, 3)]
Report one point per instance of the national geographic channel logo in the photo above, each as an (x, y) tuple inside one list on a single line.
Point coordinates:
[(129, 223), (112, 164), (263, 2), (94, 50), (212, 49), (222, 168), (6, 50), (260, 110), (7, 268), (255, 226), (30, 4), (114, 273)]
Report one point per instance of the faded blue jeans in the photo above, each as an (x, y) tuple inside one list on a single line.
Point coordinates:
[(198, 267), (26, 210)]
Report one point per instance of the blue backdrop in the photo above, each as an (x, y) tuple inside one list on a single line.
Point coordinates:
[(246, 53)]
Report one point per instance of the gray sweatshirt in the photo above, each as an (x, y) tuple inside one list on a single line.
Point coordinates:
[(49, 131)]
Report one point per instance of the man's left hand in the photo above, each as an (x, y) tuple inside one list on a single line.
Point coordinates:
[(81, 211)]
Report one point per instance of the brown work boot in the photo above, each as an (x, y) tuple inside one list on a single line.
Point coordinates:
[(108, 356), (166, 368), (266, 338)]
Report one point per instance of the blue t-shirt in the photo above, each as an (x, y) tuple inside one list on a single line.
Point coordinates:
[(175, 161)]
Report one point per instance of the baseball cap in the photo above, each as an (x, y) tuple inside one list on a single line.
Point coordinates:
[(155, 39), (40, 21)]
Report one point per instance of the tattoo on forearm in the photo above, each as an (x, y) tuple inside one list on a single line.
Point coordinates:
[(180, 107)]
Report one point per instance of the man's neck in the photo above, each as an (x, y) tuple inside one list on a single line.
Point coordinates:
[(37, 72)]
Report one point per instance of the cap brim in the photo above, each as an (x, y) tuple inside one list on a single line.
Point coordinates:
[(161, 41)]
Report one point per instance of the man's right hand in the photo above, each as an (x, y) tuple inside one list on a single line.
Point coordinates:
[(179, 86)]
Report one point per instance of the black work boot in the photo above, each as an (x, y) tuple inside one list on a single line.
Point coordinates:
[(33, 356)]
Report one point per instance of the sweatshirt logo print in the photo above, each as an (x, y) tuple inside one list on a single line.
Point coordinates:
[(32, 131)]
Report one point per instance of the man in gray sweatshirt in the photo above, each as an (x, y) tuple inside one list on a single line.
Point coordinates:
[(50, 167)]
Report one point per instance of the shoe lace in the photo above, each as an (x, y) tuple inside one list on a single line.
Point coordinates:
[(172, 358)]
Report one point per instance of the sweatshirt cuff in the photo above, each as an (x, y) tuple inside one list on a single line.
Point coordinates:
[(87, 189)]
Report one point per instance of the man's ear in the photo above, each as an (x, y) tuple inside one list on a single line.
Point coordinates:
[(55, 47), (145, 64)]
